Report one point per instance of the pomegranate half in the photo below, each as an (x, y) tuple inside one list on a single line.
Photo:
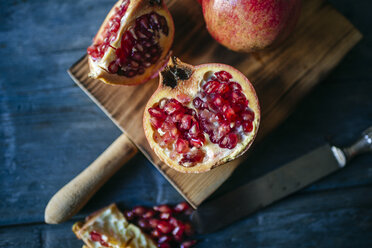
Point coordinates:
[(133, 42), (250, 25), (201, 116)]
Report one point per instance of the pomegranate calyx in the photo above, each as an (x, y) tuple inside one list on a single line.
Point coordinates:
[(153, 2), (175, 72)]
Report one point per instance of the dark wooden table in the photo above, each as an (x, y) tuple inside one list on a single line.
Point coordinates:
[(50, 131)]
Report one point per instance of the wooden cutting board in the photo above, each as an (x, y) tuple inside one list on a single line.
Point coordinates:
[(281, 76)]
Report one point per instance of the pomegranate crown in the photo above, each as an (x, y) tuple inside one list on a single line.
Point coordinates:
[(174, 72)]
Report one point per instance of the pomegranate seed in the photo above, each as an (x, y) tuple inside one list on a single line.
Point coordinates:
[(235, 86), (247, 127), (182, 146), (188, 244), (173, 221), (223, 75), (211, 86), (97, 237), (164, 227), (155, 234), (163, 208), (164, 239), (229, 141), (139, 210), (165, 216), (180, 207), (186, 122), (247, 115), (153, 223), (157, 112), (149, 214), (164, 245), (178, 233), (197, 142), (144, 224)]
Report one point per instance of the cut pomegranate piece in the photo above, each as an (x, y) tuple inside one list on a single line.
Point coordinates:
[(204, 131), (140, 51)]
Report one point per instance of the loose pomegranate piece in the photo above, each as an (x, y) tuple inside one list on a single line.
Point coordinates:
[(180, 207), (217, 123), (249, 25), (141, 49)]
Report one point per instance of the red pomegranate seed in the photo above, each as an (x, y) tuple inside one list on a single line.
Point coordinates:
[(211, 86), (223, 76), (144, 224), (164, 227), (247, 115), (247, 127), (153, 223), (188, 244), (139, 210), (229, 141), (165, 216), (164, 239), (155, 234), (235, 86), (173, 221), (180, 207), (149, 214), (97, 237), (164, 245), (157, 112), (186, 122), (163, 208), (182, 146), (178, 233)]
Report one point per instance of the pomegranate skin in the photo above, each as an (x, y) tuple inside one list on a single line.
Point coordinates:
[(250, 25)]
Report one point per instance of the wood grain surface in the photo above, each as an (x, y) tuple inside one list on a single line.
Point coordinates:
[(281, 76)]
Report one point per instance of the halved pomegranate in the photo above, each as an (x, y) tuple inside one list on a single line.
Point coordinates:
[(201, 117), (133, 42)]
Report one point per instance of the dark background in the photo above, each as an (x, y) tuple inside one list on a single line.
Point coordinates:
[(50, 131)]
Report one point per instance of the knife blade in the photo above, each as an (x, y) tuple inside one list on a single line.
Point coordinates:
[(276, 185)]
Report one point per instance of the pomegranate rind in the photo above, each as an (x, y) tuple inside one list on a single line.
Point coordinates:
[(247, 26), (136, 8), (191, 87)]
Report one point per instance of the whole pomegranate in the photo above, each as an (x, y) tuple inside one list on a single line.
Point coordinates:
[(201, 116), (249, 25), (133, 42)]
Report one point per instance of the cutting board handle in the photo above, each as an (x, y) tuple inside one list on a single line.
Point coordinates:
[(74, 195)]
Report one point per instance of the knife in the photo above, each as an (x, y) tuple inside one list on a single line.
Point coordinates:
[(277, 184)]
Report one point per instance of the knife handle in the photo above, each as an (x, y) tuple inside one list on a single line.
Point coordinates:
[(362, 145), (74, 195)]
